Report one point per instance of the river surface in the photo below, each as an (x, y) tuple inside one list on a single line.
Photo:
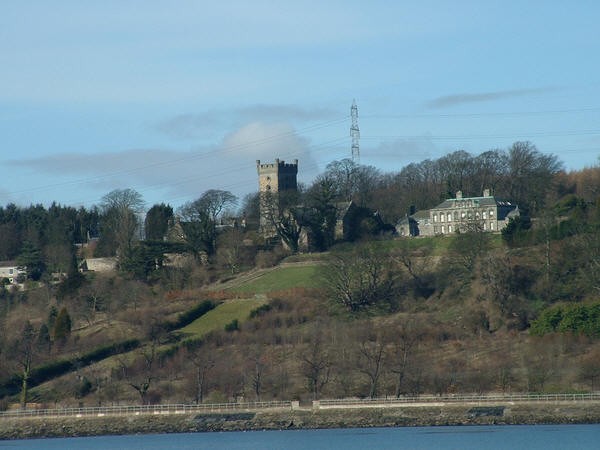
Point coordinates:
[(530, 437)]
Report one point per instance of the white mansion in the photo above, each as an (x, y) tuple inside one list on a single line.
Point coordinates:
[(460, 214)]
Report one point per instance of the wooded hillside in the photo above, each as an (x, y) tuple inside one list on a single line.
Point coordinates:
[(379, 315)]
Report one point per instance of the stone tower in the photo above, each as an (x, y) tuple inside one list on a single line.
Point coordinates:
[(274, 178)]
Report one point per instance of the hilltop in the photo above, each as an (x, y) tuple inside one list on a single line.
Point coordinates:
[(364, 313)]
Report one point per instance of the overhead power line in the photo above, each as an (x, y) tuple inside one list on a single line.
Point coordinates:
[(490, 114), (486, 136)]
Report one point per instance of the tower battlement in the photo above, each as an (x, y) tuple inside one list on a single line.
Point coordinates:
[(277, 176), (278, 165)]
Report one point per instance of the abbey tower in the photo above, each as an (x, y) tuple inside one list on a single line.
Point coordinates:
[(273, 179)]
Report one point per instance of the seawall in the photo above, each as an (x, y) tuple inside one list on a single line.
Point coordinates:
[(524, 413)]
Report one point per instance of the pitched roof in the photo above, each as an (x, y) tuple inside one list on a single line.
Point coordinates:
[(421, 215), (478, 201)]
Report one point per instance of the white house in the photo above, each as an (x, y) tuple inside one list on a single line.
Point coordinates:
[(10, 271)]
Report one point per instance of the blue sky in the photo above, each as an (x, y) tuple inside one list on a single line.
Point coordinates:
[(172, 98)]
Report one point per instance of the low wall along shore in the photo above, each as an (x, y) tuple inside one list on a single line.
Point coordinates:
[(293, 416)]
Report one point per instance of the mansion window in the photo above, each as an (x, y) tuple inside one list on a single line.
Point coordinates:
[(449, 217), (484, 215)]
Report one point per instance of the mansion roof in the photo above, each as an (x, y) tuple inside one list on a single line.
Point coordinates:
[(473, 202)]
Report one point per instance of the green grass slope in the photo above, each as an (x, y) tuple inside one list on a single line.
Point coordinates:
[(283, 278), (222, 315)]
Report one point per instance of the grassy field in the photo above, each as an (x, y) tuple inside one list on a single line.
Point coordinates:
[(283, 278), (222, 315)]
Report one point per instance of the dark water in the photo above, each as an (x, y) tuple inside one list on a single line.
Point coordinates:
[(468, 437)]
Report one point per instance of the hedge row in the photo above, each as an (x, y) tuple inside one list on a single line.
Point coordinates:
[(41, 374), (189, 316), (57, 368)]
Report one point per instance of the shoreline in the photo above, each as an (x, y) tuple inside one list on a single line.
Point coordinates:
[(299, 419)]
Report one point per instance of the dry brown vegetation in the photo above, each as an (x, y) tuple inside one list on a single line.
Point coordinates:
[(303, 347), (436, 315)]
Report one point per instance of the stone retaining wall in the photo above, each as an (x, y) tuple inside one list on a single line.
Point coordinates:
[(566, 412)]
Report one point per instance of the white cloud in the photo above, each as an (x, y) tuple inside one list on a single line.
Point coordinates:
[(260, 140), (168, 175)]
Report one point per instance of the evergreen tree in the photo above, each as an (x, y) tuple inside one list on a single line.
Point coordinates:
[(157, 222), (62, 326), (43, 341), (31, 260), (52, 314)]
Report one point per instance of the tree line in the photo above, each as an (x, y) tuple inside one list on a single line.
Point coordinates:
[(43, 239)]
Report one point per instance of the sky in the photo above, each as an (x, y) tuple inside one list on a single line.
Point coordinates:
[(173, 98)]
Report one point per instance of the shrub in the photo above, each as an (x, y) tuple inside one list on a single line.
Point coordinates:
[(262, 309), (232, 326), (577, 319)]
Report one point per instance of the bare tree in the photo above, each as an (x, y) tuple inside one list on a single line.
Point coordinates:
[(457, 170), (284, 216), (202, 217), (590, 368), (492, 167), (406, 338), (316, 363), (530, 175), (230, 252), (360, 279), (371, 352), (470, 246), (120, 218), (139, 374), (344, 174), (258, 361), (203, 360), (418, 264), (503, 366), (586, 246), (540, 360), (23, 352)]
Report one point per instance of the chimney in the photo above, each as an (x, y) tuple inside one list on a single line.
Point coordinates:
[(459, 194), (486, 192)]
